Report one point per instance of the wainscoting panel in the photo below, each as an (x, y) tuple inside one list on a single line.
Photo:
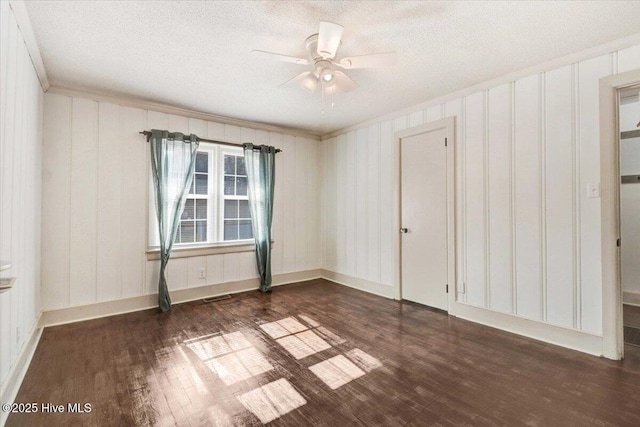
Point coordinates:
[(559, 148), (500, 186), (475, 201), (528, 198)]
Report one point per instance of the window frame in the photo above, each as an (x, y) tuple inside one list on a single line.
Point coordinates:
[(215, 211)]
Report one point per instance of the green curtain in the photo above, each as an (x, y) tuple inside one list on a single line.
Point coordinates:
[(172, 162), (260, 163)]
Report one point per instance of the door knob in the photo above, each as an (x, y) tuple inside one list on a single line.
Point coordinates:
[(404, 230)]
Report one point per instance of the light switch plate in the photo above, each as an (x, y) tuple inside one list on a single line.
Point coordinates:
[(593, 190)]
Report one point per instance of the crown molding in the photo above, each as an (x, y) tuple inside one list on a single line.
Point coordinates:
[(572, 58), (24, 23), (136, 102)]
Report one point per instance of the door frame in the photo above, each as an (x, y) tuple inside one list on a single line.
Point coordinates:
[(612, 331), (448, 124)]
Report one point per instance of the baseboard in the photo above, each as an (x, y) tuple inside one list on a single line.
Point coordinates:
[(631, 298), (557, 335), (360, 284), (128, 305), (9, 389)]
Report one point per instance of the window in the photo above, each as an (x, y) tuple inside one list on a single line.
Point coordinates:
[(193, 223), (217, 206), (237, 218)]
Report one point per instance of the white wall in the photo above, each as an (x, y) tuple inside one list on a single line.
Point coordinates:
[(630, 202), (528, 238), (20, 167), (95, 196)]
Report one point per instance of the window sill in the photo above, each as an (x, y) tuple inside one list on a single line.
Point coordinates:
[(153, 254)]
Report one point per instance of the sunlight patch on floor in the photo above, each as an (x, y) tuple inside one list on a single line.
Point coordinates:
[(218, 345), (283, 327), (364, 360), (303, 344), (240, 365), (272, 400), (332, 338), (337, 371)]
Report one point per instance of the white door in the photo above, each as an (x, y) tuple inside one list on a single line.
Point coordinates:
[(423, 179)]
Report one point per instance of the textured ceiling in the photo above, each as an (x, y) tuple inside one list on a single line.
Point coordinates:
[(196, 54)]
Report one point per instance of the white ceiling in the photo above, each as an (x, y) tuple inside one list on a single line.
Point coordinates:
[(196, 54)]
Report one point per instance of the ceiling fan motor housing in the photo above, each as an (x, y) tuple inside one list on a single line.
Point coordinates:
[(311, 44)]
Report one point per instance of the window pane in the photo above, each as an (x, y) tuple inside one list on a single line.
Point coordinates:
[(229, 165), (202, 162), (241, 170), (201, 231), (230, 230), (241, 186), (243, 211), (192, 186), (201, 209), (229, 185), (188, 211), (245, 230), (187, 232), (201, 183), (231, 209)]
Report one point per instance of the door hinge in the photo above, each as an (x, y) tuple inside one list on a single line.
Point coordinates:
[(618, 243), (445, 142), (447, 286)]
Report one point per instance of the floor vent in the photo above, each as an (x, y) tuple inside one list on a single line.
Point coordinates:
[(215, 299)]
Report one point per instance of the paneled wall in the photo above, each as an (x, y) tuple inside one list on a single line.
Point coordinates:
[(20, 167), (527, 235), (95, 193)]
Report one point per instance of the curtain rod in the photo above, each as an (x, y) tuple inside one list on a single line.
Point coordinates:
[(212, 141)]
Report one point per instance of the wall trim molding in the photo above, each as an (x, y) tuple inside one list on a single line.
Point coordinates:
[(146, 104), (9, 390), (631, 298), (552, 64), (111, 308), (24, 23), (380, 289), (564, 337)]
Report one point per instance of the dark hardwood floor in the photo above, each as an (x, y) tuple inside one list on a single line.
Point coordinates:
[(335, 357)]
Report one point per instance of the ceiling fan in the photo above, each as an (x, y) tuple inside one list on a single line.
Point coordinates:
[(327, 70)]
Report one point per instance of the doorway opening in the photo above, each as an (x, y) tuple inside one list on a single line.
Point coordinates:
[(629, 140)]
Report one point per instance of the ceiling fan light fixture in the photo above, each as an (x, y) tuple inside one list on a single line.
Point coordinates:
[(326, 74)]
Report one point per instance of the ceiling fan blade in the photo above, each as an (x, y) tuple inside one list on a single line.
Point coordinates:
[(307, 80), (296, 80), (329, 36), (344, 82), (369, 61), (279, 56)]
